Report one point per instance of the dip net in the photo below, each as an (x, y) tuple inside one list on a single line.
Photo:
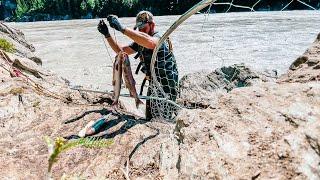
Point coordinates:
[(163, 93)]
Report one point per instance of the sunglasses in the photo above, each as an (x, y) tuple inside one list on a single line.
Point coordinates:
[(141, 26)]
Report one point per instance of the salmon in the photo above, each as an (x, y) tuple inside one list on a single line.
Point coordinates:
[(116, 79), (122, 67)]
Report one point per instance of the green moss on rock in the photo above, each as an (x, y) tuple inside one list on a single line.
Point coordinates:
[(6, 46)]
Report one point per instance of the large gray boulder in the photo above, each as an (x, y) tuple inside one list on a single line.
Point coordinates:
[(199, 89)]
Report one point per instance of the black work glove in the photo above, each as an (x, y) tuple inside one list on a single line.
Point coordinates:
[(103, 29), (115, 23)]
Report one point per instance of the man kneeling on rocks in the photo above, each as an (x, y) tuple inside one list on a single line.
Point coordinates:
[(145, 40)]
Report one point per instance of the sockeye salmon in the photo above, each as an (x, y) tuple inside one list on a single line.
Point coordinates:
[(116, 79), (121, 67)]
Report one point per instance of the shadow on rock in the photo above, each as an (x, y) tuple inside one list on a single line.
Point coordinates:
[(102, 112), (130, 121)]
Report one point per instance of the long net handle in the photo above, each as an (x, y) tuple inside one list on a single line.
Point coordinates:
[(196, 8)]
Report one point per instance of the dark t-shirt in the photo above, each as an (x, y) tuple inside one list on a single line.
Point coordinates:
[(165, 66), (145, 52), (165, 59)]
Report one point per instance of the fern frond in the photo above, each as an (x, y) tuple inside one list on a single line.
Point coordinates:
[(61, 145)]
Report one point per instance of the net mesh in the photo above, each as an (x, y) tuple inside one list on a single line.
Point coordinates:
[(164, 87)]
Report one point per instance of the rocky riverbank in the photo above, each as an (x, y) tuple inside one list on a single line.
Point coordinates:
[(251, 128)]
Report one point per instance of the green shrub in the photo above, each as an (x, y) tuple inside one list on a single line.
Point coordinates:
[(22, 8), (6, 46), (61, 145)]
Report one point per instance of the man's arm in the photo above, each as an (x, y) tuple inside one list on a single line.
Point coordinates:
[(128, 50), (103, 29), (116, 48), (141, 38)]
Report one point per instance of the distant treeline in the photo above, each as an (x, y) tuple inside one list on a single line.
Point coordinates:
[(34, 10)]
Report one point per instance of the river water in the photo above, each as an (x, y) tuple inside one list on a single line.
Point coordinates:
[(263, 40)]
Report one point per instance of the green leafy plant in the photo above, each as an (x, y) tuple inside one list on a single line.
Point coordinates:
[(7, 46), (84, 6), (61, 145), (26, 7), (22, 8), (92, 4), (37, 5)]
